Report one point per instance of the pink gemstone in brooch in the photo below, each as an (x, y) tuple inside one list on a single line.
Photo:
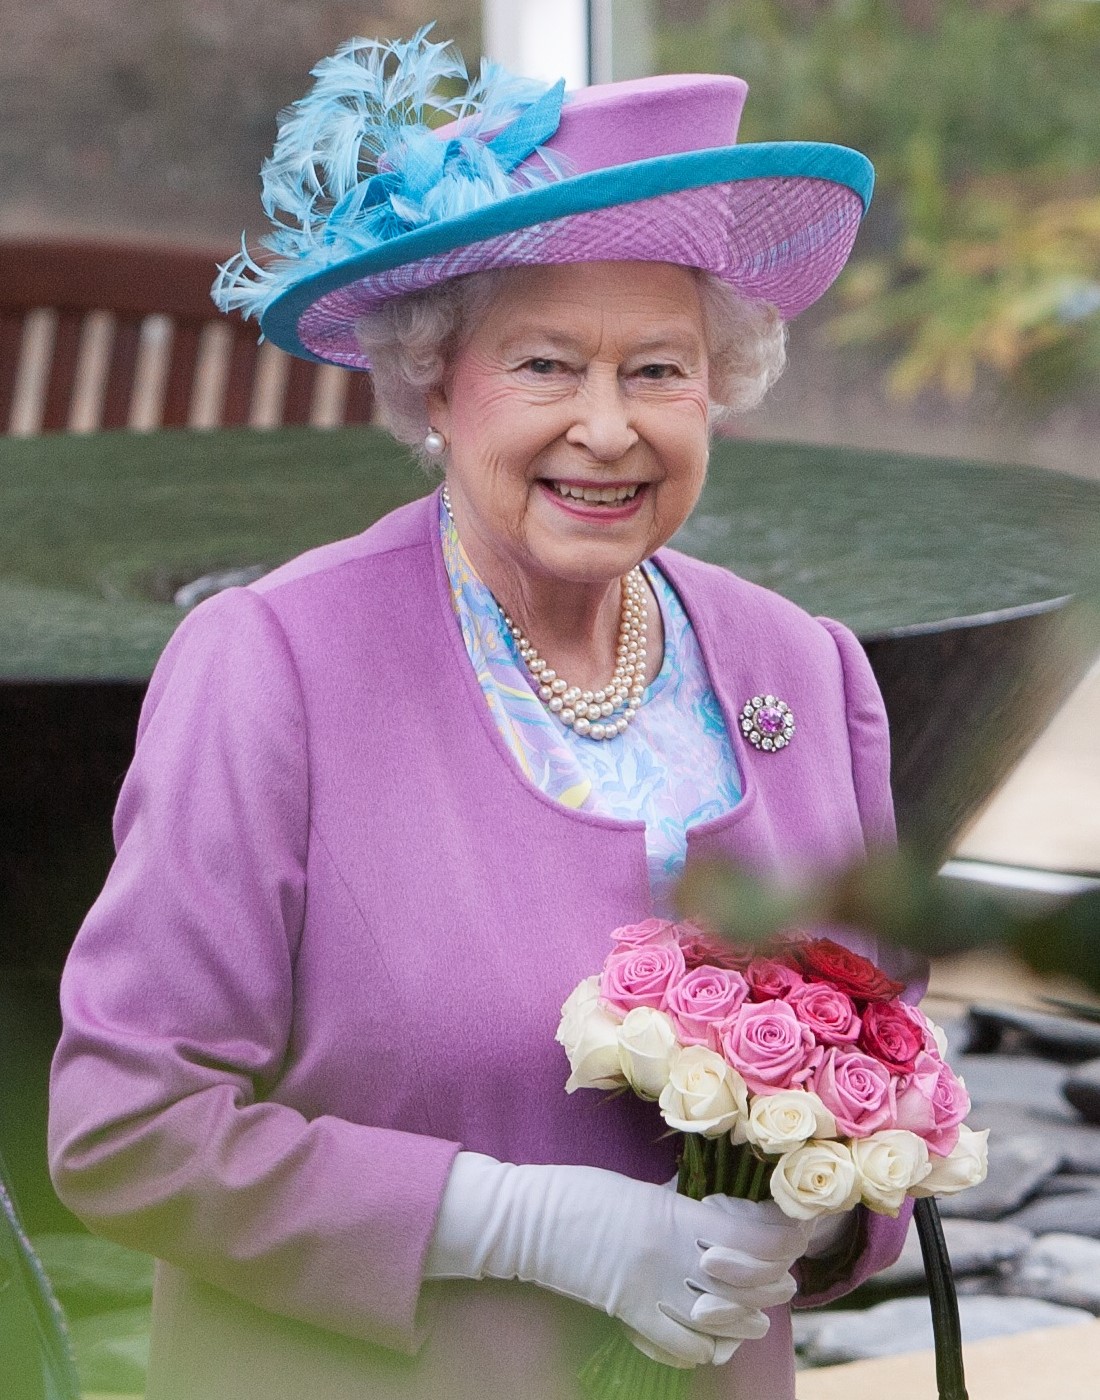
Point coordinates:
[(767, 723)]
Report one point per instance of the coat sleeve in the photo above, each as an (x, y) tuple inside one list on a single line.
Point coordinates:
[(868, 738), (877, 1239), (178, 1013)]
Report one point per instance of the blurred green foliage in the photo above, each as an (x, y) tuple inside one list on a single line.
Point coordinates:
[(981, 253), (901, 898)]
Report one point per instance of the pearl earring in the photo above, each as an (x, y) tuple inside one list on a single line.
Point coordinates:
[(435, 444)]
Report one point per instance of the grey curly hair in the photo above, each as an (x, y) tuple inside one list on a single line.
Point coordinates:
[(410, 342)]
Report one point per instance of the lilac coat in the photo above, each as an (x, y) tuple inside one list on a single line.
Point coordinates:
[(332, 951)]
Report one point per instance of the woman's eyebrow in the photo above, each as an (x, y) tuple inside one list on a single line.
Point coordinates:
[(684, 341), (542, 335)]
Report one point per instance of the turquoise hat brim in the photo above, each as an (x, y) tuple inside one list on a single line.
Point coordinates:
[(577, 194)]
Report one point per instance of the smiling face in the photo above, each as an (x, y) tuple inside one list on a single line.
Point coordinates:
[(576, 415)]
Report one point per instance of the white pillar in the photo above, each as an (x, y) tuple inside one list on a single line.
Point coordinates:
[(621, 36), (545, 39)]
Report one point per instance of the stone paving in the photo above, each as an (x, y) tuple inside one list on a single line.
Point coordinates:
[(1025, 1244), (1053, 1364)]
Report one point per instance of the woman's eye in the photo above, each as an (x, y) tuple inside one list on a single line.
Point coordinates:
[(541, 366), (657, 371)]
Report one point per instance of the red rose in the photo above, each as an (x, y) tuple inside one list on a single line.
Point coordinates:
[(892, 1035), (771, 978), (825, 961)]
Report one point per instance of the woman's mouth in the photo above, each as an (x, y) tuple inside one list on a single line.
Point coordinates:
[(596, 495), (612, 502)]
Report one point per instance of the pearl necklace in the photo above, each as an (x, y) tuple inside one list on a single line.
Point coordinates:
[(594, 714)]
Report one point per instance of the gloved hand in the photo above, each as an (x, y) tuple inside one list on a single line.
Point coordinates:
[(689, 1278)]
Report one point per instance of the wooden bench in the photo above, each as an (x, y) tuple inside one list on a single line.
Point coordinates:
[(99, 335)]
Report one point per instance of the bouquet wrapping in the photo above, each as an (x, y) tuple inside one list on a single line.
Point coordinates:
[(794, 1073)]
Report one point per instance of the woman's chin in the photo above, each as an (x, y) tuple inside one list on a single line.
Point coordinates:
[(577, 562)]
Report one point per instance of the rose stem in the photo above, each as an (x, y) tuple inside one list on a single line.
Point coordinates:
[(756, 1190), (695, 1177), (741, 1178), (722, 1164)]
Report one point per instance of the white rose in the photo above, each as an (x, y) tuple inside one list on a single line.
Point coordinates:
[(965, 1166), (703, 1094), (590, 1037), (889, 1164), (817, 1179), (574, 1013), (782, 1121), (647, 1048)]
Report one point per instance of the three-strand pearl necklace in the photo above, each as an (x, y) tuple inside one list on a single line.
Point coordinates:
[(594, 714)]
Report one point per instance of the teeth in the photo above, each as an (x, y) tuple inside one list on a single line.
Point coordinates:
[(602, 495)]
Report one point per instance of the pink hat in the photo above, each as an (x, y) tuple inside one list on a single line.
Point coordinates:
[(383, 204)]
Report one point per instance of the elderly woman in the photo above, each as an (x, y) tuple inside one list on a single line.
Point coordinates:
[(388, 802)]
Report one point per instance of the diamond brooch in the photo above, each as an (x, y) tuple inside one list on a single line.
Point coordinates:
[(767, 723)]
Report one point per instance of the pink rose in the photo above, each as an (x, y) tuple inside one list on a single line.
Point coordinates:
[(951, 1104), (770, 1047), (640, 976), (829, 1013), (703, 950), (857, 1090), (892, 1034), (932, 1102), (702, 999), (770, 979), (916, 1093), (649, 933)]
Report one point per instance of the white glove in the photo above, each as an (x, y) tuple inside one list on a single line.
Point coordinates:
[(690, 1278)]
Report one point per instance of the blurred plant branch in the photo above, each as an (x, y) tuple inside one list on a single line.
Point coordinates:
[(987, 279), (900, 897), (981, 254)]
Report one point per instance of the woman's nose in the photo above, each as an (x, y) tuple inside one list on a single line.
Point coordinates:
[(602, 422)]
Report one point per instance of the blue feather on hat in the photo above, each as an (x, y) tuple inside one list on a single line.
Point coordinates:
[(356, 161)]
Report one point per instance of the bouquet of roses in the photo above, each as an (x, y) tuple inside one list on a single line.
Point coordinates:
[(794, 1072)]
